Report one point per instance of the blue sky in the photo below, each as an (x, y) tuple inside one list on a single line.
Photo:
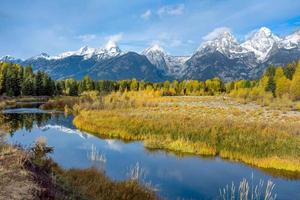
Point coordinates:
[(29, 27)]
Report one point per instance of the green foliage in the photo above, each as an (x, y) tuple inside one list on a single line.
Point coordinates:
[(278, 81), (18, 81), (289, 70)]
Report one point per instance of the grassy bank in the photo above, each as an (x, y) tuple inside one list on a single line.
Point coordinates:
[(60, 103), (31, 174), (12, 102), (201, 125)]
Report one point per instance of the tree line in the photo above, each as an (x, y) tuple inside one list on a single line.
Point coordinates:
[(280, 81), (16, 80), (276, 82)]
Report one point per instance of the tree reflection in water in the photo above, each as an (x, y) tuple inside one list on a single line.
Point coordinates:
[(11, 122)]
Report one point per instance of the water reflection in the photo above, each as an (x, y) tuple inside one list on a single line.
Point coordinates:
[(114, 145), (98, 158), (11, 122)]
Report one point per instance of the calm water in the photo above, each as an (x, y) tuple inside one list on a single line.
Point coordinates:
[(174, 177)]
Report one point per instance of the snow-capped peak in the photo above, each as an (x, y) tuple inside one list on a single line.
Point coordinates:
[(225, 43), (109, 50), (261, 43), (264, 32), (8, 58), (83, 51), (112, 48), (157, 56), (291, 41), (154, 48), (41, 55), (171, 65)]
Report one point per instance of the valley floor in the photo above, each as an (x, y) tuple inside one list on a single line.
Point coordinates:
[(213, 126)]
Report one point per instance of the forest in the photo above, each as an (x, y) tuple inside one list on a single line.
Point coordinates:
[(279, 81)]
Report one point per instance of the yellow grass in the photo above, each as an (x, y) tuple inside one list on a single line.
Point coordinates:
[(204, 126)]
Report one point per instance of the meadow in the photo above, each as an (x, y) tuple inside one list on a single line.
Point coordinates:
[(205, 125)]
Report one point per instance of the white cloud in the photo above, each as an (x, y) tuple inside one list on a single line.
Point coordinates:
[(250, 34), (114, 145), (146, 15), (166, 42), (215, 33), (157, 42), (171, 10), (175, 43), (87, 37), (113, 39)]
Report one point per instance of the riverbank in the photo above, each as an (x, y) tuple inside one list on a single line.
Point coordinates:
[(31, 174), (13, 102), (214, 126)]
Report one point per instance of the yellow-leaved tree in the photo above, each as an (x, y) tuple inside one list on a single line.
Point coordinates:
[(282, 83), (295, 84)]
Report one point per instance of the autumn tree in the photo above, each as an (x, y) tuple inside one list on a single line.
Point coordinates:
[(281, 82), (295, 84)]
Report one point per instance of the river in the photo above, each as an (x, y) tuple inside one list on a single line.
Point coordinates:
[(173, 176)]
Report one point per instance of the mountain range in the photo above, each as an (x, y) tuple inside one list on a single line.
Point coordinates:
[(222, 56)]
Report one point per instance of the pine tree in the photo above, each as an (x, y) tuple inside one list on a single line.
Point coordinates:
[(271, 86), (38, 84), (27, 88), (289, 70), (2, 78)]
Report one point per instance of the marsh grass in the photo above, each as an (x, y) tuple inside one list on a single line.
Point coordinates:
[(247, 190), (7, 104), (254, 135), (95, 185), (88, 183), (59, 103)]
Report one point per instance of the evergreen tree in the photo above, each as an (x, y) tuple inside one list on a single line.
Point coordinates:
[(289, 70), (271, 86), (38, 84), (27, 88)]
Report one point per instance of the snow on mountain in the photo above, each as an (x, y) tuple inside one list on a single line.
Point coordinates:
[(261, 43), (156, 55), (225, 43), (109, 50), (112, 49), (171, 65), (9, 58), (83, 51), (176, 65), (220, 55), (291, 41), (41, 56)]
